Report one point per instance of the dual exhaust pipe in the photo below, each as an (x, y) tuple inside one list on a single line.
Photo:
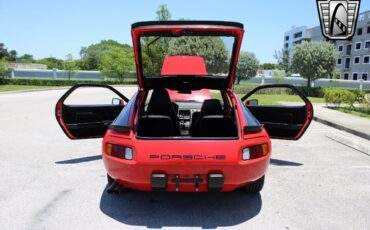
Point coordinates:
[(115, 187)]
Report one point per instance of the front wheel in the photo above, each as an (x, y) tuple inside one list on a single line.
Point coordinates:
[(255, 186)]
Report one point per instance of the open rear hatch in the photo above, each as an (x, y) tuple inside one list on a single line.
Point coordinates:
[(216, 41)]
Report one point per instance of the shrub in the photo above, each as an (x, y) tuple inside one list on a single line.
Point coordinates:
[(311, 92), (342, 96)]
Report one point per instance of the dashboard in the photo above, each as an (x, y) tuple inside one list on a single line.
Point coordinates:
[(185, 113)]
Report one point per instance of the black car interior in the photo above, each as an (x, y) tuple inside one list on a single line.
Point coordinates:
[(92, 121), (280, 121), (160, 118), (211, 121), (163, 118)]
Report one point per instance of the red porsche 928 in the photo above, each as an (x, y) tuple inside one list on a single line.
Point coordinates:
[(185, 129)]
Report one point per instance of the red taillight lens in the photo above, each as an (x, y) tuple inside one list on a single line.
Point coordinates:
[(119, 151), (254, 152)]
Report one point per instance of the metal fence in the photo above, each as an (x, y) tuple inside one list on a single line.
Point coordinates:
[(297, 81), (97, 75), (55, 74)]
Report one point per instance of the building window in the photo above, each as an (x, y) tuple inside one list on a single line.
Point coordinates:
[(361, 17), (340, 48), (359, 31), (346, 76), (368, 29), (367, 45), (339, 61), (286, 38), (358, 45), (349, 48), (356, 60), (348, 62), (366, 59), (364, 76), (354, 76), (298, 35), (286, 46)]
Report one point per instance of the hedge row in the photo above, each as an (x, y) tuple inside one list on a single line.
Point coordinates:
[(51, 82), (309, 92), (337, 97)]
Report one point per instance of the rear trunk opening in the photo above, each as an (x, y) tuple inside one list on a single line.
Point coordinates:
[(201, 116)]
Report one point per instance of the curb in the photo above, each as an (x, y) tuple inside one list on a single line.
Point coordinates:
[(350, 142), (343, 128)]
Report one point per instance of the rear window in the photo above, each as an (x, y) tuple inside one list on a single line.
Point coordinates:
[(186, 51)]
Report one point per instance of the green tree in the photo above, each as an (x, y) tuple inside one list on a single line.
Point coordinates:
[(26, 58), (314, 60), (3, 67), (277, 76), (9, 56), (163, 13), (283, 59), (91, 56), (117, 62), (212, 49), (247, 66), (52, 63), (3, 51), (270, 66), (70, 66), (12, 55)]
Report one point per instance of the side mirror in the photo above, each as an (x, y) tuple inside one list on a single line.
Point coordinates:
[(117, 101), (251, 102)]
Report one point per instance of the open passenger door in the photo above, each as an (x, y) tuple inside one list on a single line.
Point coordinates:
[(284, 111), (83, 120)]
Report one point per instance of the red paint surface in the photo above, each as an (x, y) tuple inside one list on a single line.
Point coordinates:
[(184, 65)]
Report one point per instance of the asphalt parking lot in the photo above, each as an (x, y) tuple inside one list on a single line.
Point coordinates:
[(50, 182)]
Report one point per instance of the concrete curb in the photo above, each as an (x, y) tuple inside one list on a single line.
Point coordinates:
[(350, 142), (341, 127)]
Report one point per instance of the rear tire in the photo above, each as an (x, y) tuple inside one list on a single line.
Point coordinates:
[(255, 186)]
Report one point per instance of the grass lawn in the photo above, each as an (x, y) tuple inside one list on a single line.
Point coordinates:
[(5, 88), (352, 112), (274, 99)]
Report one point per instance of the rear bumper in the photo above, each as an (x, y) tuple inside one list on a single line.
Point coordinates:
[(186, 165), (139, 176)]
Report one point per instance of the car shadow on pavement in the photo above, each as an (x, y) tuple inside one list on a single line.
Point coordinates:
[(157, 210), (284, 163), (80, 160)]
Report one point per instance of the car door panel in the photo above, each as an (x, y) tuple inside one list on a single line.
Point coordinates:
[(282, 121), (86, 121)]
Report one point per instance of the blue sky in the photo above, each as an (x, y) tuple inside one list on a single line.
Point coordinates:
[(54, 28)]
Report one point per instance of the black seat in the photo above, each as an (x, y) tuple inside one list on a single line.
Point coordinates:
[(160, 119), (211, 121), (209, 107), (216, 126), (155, 126)]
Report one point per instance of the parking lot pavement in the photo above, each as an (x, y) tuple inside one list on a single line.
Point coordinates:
[(50, 182)]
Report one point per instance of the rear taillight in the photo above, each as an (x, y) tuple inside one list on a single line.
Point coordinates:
[(119, 151), (253, 152)]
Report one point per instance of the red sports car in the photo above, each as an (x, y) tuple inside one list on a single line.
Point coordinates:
[(153, 143)]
